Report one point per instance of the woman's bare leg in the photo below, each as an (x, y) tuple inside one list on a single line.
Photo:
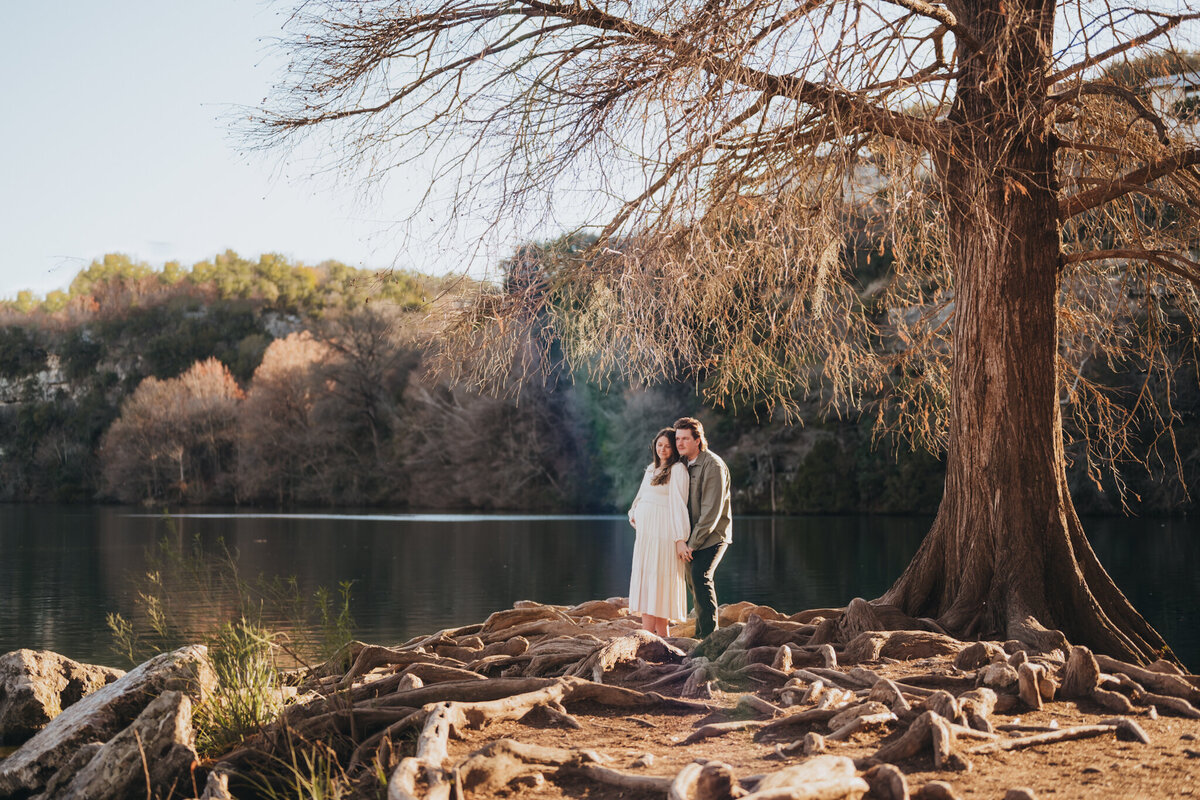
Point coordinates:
[(652, 623)]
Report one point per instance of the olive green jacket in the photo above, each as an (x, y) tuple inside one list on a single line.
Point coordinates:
[(710, 509)]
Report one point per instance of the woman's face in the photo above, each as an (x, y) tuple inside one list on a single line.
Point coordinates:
[(662, 446)]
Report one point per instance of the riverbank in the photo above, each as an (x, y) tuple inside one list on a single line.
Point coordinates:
[(555, 701)]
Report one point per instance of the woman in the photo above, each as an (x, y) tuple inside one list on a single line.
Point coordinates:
[(659, 515)]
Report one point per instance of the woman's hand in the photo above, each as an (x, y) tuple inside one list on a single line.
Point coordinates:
[(682, 550), (633, 523)]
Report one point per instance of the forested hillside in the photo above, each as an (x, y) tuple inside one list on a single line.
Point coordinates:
[(263, 382)]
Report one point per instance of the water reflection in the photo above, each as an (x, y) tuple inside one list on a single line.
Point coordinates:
[(63, 568)]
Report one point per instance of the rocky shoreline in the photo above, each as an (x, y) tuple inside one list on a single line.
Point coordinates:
[(554, 701)]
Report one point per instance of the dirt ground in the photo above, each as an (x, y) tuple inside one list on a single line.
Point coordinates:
[(1102, 768)]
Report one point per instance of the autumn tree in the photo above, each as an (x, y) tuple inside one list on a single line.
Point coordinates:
[(282, 448), (175, 438), (1039, 211)]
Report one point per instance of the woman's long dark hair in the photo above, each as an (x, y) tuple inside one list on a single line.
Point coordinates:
[(662, 471)]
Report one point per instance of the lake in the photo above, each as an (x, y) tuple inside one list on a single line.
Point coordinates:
[(63, 568)]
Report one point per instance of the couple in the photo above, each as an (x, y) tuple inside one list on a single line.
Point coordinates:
[(683, 518)]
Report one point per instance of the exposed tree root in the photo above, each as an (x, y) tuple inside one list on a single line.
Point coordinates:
[(806, 696)]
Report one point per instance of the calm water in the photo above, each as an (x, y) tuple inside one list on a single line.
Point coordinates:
[(62, 569)]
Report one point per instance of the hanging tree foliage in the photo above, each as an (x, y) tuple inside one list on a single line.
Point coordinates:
[(1039, 206)]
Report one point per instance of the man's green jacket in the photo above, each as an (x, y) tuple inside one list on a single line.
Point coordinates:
[(709, 506)]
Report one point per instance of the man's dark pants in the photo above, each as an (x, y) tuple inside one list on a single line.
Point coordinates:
[(704, 564)]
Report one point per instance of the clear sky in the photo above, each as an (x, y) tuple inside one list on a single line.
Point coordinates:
[(115, 129)]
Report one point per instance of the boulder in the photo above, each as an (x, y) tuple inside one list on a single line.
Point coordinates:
[(150, 757), (102, 715), (36, 685), (59, 781)]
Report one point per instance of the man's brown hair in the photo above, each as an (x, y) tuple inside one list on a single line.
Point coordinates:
[(696, 427)]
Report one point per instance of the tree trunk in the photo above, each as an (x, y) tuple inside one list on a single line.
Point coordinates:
[(1007, 556)]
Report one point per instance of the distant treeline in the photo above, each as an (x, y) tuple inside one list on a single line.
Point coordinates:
[(273, 383)]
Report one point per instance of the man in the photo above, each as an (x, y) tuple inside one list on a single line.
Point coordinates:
[(711, 515)]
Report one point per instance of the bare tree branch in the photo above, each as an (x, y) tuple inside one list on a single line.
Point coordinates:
[(1118, 187), (1171, 22)]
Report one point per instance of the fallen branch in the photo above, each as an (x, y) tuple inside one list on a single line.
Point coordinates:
[(716, 729), (1050, 737), (624, 780)]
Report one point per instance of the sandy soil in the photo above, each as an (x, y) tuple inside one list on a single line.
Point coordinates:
[(1102, 768)]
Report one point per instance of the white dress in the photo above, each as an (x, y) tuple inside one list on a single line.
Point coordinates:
[(660, 515)]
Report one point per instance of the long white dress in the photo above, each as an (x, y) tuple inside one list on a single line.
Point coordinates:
[(660, 515)]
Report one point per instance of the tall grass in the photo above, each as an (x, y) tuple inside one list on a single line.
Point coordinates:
[(254, 629), (247, 697), (189, 593)]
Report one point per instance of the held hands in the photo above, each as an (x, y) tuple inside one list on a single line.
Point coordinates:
[(682, 550)]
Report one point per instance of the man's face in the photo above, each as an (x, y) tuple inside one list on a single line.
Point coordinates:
[(687, 444)]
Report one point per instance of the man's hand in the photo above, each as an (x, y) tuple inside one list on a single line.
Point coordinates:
[(682, 550)]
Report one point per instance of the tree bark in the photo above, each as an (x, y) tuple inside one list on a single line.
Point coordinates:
[(1007, 556)]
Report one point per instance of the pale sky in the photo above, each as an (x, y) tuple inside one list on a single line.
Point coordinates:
[(115, 128)]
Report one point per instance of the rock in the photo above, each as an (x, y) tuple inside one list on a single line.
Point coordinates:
[(643, 761), (103, 714), (36, 685), (409, 681), (998, 675), (61, 779), (977, 654), (886, 782), (936, 790), (1020, 793), (814, 744), (156, 751)]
